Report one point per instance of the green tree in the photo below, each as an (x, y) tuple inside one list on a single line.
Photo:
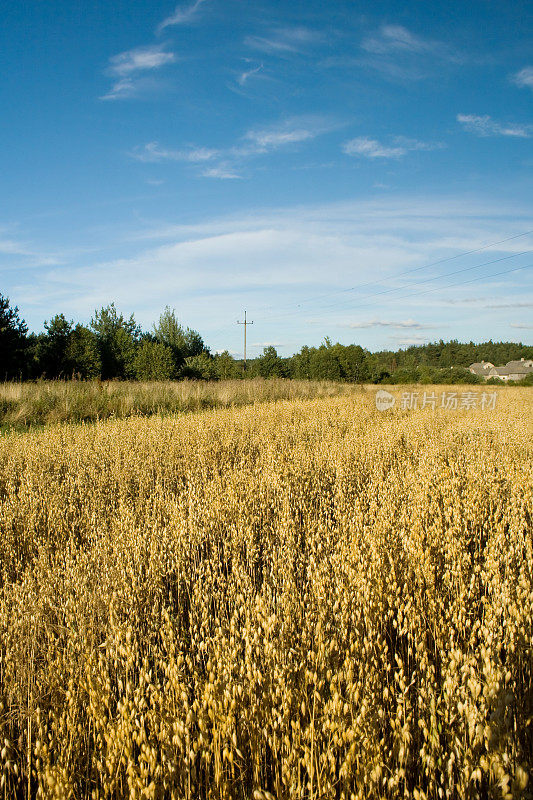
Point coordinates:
[(154, 362), (353, 362), (202, 367), (300, 364), (270, 365), (117, 339), (83, 354), (226, 366), (51, 349), (183, 342), (324, 363), (13, 342)]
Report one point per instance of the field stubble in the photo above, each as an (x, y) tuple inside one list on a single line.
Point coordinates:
[(303, 599)]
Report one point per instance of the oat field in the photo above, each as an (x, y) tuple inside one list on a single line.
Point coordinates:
[(296, 599)]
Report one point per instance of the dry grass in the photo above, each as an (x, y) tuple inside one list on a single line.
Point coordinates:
[(44, 402), (301, 599)]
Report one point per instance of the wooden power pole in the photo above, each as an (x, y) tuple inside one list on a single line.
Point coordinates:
[(245, 323)]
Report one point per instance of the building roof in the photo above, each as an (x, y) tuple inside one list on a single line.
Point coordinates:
[(480, 367), (522, 367)]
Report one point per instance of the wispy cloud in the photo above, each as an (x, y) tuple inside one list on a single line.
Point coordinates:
[(486, 126), (289, 131), (129, 65), (370, 148), (254, 143), (30, 257), (524, 78), (412, 340), (222, 172), (154, 153), (379, 323), (396, 38), (294, 256), (183, 15), (508, 305), (247, 74), (523, 325), (141, 58), (284, 41), (402, 55)]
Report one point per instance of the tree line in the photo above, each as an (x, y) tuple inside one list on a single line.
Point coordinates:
[(115, 347)]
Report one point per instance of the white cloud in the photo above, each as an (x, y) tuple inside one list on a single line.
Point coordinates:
[(379, 323), (284, 41), (128, 68), (25, 254), (153, 153), (416, 144), (402, 55), (486, 126), (123, 88), (522, 325), (267, 344), (391, 38), (247, 74), (222, 172), (413, 340), (265, 260), (524, 78), (141, 58), (255, 142), (183, 15), (290, 131), (509, 305), (371, 148)]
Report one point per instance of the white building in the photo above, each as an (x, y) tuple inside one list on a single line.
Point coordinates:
[(512, 371)]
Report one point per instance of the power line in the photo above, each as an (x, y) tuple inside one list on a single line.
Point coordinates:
[(414, 283), (414, 269), (460, 283)]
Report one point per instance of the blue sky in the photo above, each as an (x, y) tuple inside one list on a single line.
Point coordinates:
[(309, 162)]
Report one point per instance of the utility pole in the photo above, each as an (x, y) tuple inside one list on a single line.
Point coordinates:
[(245, 323)]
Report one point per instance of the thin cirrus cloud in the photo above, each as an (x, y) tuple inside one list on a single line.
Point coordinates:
[(366, 147), (183, 15), (523, 78), (413, 340), (402, 55), (396, 38), (379, 323), (221, 172), (141, 58), (245, 76), (486, 126), (226, 164), (290, 131), (130, 68), (153, 153)]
